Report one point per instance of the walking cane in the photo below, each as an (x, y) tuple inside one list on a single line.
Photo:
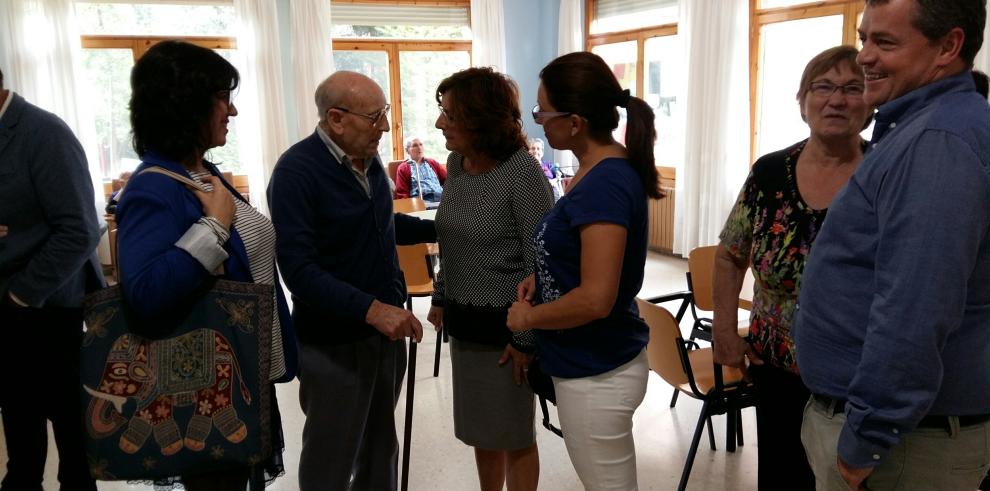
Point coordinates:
[(407, 430)]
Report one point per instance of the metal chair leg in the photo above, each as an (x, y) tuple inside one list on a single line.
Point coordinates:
[(730, 430), (673, 398), (686, 473), (711, 434), (436, 357), (739, 427)]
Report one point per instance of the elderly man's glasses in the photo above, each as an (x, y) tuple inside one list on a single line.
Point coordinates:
[(375, 117), (543, 116), (826, 89)]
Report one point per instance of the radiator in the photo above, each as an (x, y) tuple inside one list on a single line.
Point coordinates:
[(662, 222)]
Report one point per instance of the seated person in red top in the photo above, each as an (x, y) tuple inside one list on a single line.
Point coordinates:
[(419, 176)]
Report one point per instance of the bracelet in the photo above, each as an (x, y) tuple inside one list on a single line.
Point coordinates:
[(223, 235)]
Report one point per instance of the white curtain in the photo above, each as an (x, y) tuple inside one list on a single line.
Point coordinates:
[(570, 38), (260, 101), (43, 59), (312, 58), (716, 150), (982, 61), (488, 34)]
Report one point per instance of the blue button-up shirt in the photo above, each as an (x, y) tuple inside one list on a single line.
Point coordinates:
[(894, 309)]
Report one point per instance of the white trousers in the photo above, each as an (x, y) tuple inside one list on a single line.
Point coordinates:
[(596, 418)]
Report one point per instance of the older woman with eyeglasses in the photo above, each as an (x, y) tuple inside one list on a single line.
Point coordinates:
[(494, 195), (771, 229)]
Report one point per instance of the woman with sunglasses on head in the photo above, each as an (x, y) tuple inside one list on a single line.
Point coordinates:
[(771, 228), (590, 255), (173, 240), (494, 195)]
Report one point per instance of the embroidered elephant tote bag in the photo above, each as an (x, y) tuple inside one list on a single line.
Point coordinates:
[(187, 396)]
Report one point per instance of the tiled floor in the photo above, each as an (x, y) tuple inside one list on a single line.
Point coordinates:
[(439, 461)]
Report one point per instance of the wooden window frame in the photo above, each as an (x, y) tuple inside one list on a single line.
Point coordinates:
[(640, 35), (759, 17), (140, 44), (392, 49)]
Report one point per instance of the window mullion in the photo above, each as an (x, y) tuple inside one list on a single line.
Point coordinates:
[(395, 94)]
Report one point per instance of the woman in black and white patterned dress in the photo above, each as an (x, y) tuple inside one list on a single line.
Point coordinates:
[(494, 195)]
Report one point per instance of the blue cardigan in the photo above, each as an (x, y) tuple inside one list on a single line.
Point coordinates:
[(154, 212), (336, 244)]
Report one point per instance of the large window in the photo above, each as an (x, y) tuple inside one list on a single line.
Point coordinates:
[(114, 36), (788, 33), (408, 49), (638, 40)]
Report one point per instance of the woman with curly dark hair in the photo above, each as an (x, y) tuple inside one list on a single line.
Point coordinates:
[(494, 195), (172, 240), (590, 255)]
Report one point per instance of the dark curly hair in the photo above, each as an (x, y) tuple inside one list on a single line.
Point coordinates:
[(486, 106), (174, 87), (582, 83)]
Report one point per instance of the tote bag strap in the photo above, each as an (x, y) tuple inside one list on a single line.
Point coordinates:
[(161, 170)]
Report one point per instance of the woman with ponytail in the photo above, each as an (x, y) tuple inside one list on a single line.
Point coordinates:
[(590, 255)]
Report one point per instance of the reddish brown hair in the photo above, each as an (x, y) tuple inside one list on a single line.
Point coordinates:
[(485, 104)]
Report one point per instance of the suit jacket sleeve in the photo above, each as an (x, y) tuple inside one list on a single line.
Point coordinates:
[(155, 273), (64, 191)]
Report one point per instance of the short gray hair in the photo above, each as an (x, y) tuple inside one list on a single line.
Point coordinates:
[(530, 141), (326, 97), (408, 141)]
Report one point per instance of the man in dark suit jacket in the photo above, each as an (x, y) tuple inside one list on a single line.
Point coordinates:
[(48, 237)]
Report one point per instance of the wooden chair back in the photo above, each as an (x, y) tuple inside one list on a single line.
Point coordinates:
[(414, 264), (701, 264), (393, 168), (406, 205), (661, 351), (241, 184)]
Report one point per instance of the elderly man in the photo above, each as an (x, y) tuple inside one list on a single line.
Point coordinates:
[(48, 261), (420, 175), (893, 325), (332, 210)]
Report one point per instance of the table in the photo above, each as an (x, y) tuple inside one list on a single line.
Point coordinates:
[(424, 214)]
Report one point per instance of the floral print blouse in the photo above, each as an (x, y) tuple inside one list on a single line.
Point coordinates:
[(771, 224)]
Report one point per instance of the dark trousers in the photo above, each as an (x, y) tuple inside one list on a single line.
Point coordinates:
[(780, 401), (348, 393), (39, 382)]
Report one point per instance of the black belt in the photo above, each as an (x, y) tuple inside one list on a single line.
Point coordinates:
[(930, 421)]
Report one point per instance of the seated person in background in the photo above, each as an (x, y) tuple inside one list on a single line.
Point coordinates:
[(419, 176), (112, 202), (535, 146), (550, 170)]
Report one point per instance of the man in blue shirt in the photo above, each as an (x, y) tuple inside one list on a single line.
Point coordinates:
[(332, 210), (893, 324)]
